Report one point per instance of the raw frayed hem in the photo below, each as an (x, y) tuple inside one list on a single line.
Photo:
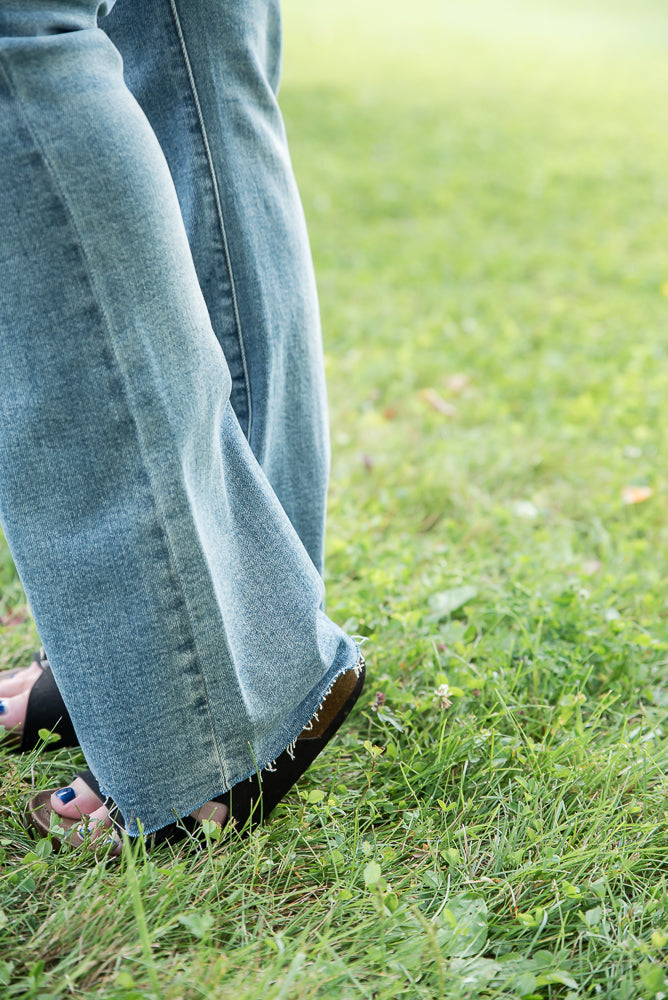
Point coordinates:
[(270, 766), (290, 748)]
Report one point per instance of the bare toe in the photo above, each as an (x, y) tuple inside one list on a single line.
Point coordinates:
[(75, 800), (13, 682), (13, 711), (214, 812), (97, 829)]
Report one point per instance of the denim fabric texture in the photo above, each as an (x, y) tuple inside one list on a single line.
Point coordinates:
[(163, 440)]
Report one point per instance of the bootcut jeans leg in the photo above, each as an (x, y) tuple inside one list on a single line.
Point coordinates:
[(206, 75), (180, 611)]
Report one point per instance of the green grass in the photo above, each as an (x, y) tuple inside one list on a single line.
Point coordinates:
[(486, 187)]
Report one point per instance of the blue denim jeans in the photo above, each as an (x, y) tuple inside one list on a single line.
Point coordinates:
[(163, 438)]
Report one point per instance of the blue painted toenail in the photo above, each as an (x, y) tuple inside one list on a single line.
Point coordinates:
[(2, 708), (66, 795)]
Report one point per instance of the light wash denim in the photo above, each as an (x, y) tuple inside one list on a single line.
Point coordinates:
[(163, 438)]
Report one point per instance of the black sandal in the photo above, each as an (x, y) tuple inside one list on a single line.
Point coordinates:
[(45, 710), (250, 802)]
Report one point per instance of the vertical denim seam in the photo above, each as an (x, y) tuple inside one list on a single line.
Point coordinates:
[(128, 394), (217, 202)]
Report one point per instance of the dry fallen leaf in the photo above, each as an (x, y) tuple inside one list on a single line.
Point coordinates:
[(636, 494), (436, 401), (456, 383), (16, 616), (591, 566)]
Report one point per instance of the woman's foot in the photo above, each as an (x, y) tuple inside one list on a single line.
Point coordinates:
[(30, 702), (15, 688), (78, 802), (87, 819)]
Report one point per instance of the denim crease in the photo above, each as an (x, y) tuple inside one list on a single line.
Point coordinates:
[(163, 441), (220, 128)]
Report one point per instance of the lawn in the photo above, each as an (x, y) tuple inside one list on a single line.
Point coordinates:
[(486, 186)]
